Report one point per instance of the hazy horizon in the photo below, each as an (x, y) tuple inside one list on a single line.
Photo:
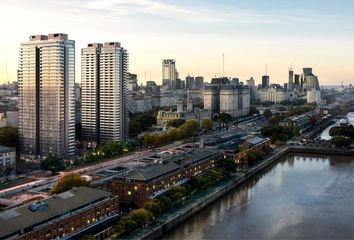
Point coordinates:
[(252, 34)]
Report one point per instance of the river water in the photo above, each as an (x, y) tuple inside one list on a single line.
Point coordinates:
[(301, 197)]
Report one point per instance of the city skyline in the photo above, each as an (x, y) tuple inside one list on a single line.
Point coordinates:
[(313, 34)]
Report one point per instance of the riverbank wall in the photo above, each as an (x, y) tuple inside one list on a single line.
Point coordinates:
[(174, 219), (321, 150)]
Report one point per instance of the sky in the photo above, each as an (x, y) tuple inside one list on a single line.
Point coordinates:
[(252, 34)]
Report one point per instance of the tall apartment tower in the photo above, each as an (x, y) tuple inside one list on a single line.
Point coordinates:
[(104, 86), (169, 73), (46, 76)]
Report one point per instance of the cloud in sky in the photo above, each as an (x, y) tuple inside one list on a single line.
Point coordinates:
[(251, 33)]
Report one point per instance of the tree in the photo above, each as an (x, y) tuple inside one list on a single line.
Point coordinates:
[(125, 224), (119, 228), (207, 125), (129, 224), (154, 207), (67, 182), (267, 113), (253, 110), (8, 136), (140, 216), (341, 141), (190, 127), (228, 165), (344, 131), (166, 203), (110, 148), (251, 158), (225, 119), (140, 122), (176, 194), (200, 182), (52, 164), (88, 237), (176, 123)]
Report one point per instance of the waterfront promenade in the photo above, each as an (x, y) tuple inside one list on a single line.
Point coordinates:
[(197, 202)]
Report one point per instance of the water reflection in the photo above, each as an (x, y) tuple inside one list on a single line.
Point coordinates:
[(301, 197)]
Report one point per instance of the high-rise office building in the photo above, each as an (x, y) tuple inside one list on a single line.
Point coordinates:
[(265, 81), (307, 71), (310, 81), (169, 73), (46, 75), (199, 82), (297, 80), (104, 75), (190, 82), (290, 84), (235, 81), (251, 82)]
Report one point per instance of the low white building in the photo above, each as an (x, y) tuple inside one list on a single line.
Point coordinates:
[(169, 98), (272, 94), (7, 161)]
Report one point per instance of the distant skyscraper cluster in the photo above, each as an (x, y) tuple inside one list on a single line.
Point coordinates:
[(296, 86)]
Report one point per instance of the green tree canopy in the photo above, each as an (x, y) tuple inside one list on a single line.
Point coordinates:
[(267, 113), (67, 182), (140, 216), (207, 125), (9, 136), (344, 131), (154, 207), (52, 164), (140, 122), (341, 141), (176, 123)]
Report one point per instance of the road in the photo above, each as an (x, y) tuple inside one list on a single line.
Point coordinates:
[(251, 125), (49, 182)]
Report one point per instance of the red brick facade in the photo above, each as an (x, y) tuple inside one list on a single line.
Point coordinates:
[(138, 193), (236, 155), (70, 223)]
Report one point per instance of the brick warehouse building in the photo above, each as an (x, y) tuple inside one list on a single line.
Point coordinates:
[(137, 186), (231, 149), (62, 216)]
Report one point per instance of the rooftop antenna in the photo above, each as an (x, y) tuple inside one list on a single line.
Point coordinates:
[(266, 70), (145, 75), (223, 65), (198, 70), (7, 75), (150, 76)]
